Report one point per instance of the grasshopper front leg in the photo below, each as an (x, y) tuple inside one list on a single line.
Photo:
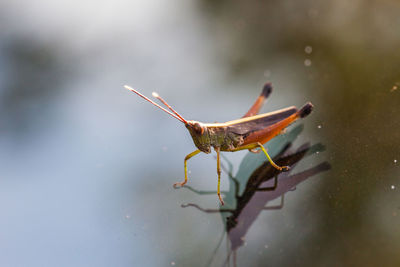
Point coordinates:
[(194, 153)]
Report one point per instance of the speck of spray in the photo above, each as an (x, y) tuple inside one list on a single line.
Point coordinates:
[(319, 126), (395, 161), (307, 62), (172, 263), (392, 187), (308, 49)]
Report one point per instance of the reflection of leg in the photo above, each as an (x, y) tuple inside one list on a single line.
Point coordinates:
[(209, 263), (201, 192), (276, 207), (219, 174), (228, 252), (283, 168), (272, 188), (206, 210), (194, 153), (230, 173), (228, 170)]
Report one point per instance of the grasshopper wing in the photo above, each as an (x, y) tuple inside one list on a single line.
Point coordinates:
[(246, 126)]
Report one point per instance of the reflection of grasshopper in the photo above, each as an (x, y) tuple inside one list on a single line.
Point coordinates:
[(261, 186), (249, 132)]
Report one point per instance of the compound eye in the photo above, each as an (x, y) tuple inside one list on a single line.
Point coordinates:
[(198, 128)]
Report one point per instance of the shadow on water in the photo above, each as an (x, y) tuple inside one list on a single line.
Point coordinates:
[(261, 184)]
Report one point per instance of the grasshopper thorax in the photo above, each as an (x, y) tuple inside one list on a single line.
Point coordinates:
[(200, 135)]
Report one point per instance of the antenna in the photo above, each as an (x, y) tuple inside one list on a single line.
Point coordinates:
[(154, 94), (177, 116)]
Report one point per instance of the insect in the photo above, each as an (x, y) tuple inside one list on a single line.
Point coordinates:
[(250, 132)]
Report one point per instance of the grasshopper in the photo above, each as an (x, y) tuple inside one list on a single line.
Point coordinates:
[(250, 132)]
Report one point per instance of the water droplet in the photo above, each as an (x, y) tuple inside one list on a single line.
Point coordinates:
[(395, 161), (308, 49), (392, 187), (266, 246), (172, 263), (127, 216), (307, 62), (319, 126)]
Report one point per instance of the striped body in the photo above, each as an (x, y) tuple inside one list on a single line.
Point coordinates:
[(233, 135)]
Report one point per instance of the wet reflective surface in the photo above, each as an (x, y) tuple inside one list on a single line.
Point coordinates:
[(262, 186), (87, 167)]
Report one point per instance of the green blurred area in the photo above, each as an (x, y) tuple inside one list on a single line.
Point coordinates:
[(353, 78)]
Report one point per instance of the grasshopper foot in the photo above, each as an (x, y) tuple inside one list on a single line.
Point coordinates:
[(285, 168), (179, 184), (220, 199)]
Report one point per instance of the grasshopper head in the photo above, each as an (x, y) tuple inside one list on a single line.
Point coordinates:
[(198, 131), (200, 136)]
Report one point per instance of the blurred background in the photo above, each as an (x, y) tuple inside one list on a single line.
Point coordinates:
[(87, 167)]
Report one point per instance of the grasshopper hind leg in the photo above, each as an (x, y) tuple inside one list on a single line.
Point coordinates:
[(267, 89), (252, 148), (281, 168), (180, 184)]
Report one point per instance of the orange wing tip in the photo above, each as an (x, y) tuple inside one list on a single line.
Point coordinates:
[(306, 110), (267, 89)]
